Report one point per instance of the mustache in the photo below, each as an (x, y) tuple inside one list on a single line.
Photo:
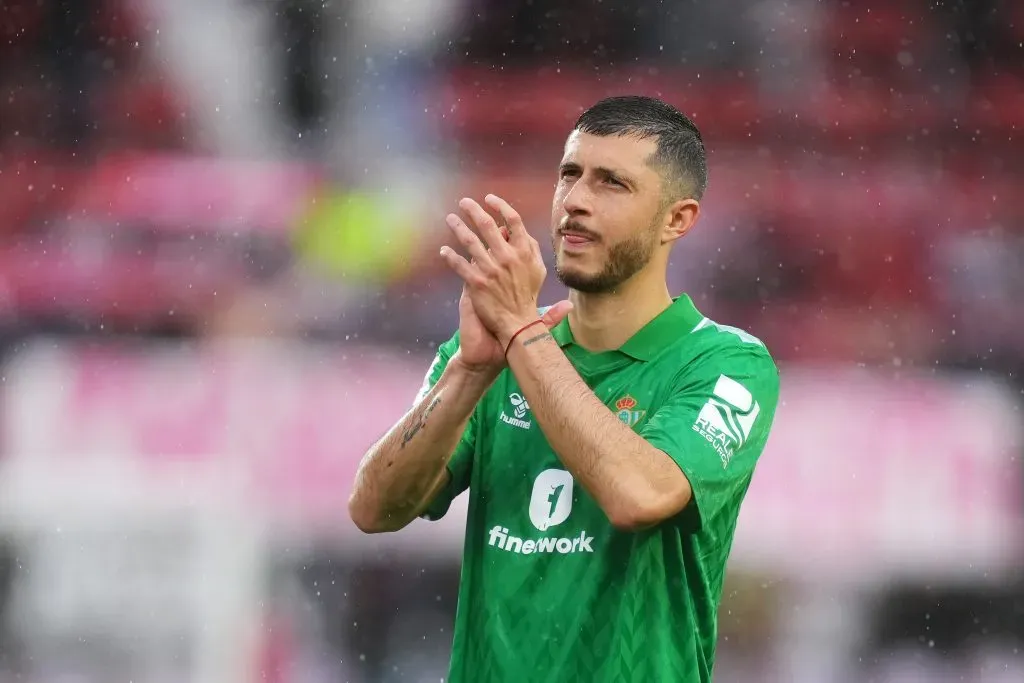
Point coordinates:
[(573, 227)]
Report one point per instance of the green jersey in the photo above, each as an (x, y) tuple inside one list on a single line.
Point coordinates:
[(550, 590)]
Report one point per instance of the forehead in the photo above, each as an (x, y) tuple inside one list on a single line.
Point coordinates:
[(623, 152)]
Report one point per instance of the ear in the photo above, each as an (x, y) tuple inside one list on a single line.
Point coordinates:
[(679, 218)]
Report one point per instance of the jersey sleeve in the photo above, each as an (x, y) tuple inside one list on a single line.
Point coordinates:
[(716, 424), (461, 463)]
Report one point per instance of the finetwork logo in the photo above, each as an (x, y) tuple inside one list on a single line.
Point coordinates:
[(520, 408), (580, 544), (726, 419), (550, 505), (551, 500)]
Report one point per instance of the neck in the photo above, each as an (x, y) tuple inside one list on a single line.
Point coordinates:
[(602, 322)]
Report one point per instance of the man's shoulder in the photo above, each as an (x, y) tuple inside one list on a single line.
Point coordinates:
[(715, 348), (728, 337), (734, 353)]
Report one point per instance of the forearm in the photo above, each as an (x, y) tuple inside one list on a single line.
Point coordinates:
[(629, 478), (401, 473)]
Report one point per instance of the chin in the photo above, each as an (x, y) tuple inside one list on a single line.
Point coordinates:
[(571, 272), (581, 281)]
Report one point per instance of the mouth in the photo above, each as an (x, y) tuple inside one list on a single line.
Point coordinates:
[(576, 238)]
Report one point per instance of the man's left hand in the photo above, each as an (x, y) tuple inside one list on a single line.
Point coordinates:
[(505, 275)]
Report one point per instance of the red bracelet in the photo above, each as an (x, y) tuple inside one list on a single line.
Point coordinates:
[(520, 331)]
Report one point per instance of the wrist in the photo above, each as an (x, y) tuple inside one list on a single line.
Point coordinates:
[(514, 326), (483, 374)]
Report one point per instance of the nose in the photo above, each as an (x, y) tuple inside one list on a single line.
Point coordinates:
[(577, 201)]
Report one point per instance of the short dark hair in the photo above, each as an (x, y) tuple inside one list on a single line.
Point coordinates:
[(680, 153)]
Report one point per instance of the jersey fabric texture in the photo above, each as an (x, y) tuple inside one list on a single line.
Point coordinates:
[(550, 590)]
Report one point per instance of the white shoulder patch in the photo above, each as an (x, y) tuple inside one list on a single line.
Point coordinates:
[(743, 335), (727, 419)]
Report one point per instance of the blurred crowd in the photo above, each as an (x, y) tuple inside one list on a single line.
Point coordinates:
[(864, 162), (230, 168)]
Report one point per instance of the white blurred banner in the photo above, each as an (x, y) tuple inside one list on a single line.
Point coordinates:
[(866, 475)]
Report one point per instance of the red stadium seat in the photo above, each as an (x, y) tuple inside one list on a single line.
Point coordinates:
[(32, 187), (997, 105), (878, 32), (20, 26)]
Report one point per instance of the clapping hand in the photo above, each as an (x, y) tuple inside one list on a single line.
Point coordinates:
[(502, 278)]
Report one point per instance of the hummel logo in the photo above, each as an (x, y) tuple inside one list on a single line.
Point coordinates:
[(519, 405), (519, 409)]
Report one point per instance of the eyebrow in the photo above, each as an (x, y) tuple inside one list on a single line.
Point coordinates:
[(600, 170)]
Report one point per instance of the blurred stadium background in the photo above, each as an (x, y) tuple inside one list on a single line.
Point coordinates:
[(218, 285)]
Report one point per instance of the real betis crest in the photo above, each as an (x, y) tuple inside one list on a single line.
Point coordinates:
[(625, 408)]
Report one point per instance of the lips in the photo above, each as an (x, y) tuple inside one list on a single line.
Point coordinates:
[(575, 235)]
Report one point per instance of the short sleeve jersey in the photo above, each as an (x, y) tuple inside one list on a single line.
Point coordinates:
[(550, 590)]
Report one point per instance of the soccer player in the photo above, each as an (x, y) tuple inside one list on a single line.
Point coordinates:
[(607, 442)]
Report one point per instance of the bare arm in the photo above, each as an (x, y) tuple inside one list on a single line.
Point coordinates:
[(402, 473), (635, 484)]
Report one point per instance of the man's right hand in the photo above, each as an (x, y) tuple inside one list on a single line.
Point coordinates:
[(479, 350)]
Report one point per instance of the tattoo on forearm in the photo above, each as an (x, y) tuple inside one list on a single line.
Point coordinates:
[(540, 337), (421, 421)]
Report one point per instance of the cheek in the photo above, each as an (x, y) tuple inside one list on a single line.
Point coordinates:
[(558, 199)]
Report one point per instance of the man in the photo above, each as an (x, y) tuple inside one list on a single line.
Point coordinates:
[(606, 458)]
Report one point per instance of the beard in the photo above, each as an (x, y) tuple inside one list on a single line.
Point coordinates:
[(624, 260)]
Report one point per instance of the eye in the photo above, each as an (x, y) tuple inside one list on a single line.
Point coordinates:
[(567, 173), (616, 183)]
